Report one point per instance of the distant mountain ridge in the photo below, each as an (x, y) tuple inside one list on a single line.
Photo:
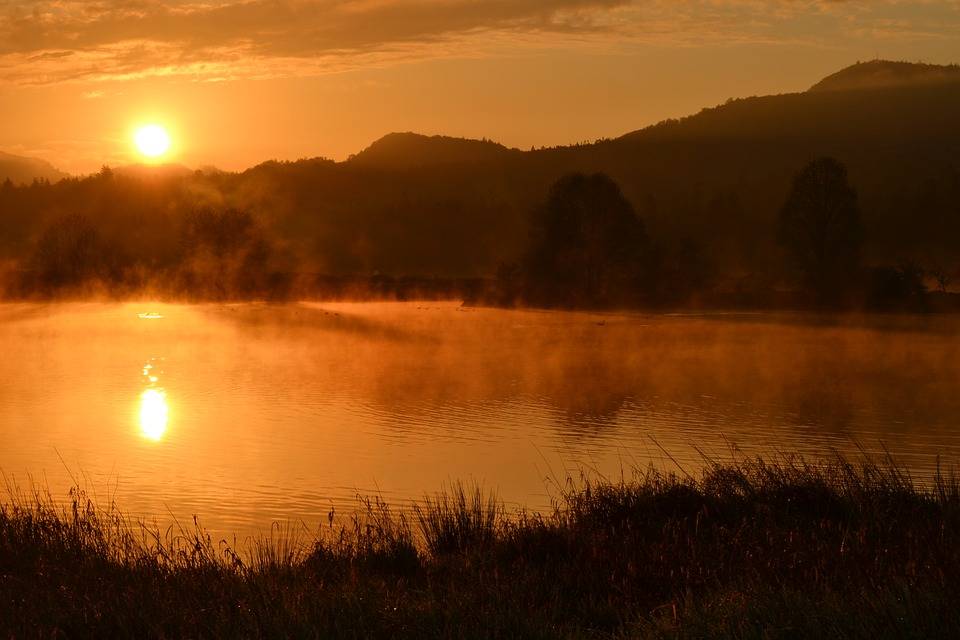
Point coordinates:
[(24, 170), (759, 116), (407, 150), (879, 74), (717, 177)]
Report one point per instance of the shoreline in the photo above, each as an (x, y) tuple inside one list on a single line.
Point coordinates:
[(749, 547)]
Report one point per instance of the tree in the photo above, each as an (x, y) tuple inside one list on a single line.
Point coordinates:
[(941, 275), (587, 245), (70, 252), (900, 287), (226, 253), (820, 229)]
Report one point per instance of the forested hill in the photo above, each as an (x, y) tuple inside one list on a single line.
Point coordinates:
[(720, 176), (417, 205), (877, 74), (410, 150), (24, 170)]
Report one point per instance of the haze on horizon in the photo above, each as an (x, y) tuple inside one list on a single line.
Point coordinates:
[(237, 83)]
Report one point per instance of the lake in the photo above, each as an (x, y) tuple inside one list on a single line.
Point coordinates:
[(253, 413)]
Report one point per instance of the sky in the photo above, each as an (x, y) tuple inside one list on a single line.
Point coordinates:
[(237, 82)]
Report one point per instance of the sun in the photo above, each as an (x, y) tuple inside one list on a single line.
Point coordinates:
[(152, 140)]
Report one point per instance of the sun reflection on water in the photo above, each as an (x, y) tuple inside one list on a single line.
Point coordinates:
[(154, 413), (154, 408)]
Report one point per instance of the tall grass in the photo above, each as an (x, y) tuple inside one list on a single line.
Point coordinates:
[(458, 519), (751, 547)]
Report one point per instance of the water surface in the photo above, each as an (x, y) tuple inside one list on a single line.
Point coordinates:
[(247, 414)]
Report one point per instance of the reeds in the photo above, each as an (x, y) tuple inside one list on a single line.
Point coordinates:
[(751, 547), (458, 519)]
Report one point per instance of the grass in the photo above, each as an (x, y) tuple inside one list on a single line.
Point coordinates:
[(751, 548)]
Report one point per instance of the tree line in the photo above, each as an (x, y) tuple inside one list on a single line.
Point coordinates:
[(584, 244), (588, 247)]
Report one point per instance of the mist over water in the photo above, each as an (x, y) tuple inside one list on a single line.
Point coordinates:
[(250, 413)]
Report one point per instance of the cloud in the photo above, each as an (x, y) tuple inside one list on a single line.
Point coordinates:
[(43, 41), (278, 27), (57, 40)]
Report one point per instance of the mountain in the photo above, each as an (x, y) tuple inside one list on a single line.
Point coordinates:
[(410, 150), (878, 74), (24, 170), (716, 180)]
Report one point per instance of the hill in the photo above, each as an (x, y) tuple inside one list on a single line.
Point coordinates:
[(153, 171), (440, 206), (877, 74), (410, 150), (24, 170)]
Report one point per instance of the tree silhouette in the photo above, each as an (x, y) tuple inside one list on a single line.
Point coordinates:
[(941, 275), (900, 287), (69, 252), (820, 229), (226, 254), (588, 246)]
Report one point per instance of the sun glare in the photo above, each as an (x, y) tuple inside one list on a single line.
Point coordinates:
[(152, 140), (153, 413)]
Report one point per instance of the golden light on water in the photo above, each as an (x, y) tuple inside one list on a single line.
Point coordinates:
[(154, 413), (152, 140)]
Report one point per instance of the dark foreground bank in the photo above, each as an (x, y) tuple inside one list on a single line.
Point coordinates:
[(750, 548)]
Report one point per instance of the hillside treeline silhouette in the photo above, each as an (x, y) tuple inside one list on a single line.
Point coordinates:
[(586, 246), (123, 236), (709, 194), (589, 248)]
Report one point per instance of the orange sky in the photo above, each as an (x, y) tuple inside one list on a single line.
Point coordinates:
[(238, 82)]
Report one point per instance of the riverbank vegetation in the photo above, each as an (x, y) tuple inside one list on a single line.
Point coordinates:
[(748, 548)]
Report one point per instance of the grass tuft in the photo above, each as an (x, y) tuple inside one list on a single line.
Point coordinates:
[(458, 519)]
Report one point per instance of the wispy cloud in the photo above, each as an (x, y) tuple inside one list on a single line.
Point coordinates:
[(43, 41)]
